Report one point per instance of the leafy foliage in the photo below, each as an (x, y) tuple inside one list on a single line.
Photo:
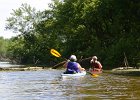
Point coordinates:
[(3, 48), (105, 28)]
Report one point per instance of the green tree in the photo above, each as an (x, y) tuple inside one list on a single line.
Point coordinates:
[(105, 28), (3, 48), (24, 21)]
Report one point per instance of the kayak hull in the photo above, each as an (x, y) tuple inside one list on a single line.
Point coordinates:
[(95, 72), (83, 73)]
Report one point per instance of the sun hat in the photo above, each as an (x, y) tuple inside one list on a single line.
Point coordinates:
[(73, 58), (94, 57)]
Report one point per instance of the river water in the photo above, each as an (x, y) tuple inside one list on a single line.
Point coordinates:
[(8, 64), (49, 85)]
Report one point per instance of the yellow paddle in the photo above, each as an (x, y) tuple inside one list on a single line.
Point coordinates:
[(93, 75), (55, 53)]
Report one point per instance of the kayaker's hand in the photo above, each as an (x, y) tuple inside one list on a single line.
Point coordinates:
[(91, 60), (82, 69), (68, 60)]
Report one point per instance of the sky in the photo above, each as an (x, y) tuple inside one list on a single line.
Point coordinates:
[(6, 7)]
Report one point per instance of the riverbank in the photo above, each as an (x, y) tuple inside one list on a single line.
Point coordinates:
[(126, 71), (130, 71), (21, 68)]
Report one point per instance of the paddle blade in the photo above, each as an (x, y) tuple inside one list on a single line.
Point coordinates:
[(55, 53), (95, 75)]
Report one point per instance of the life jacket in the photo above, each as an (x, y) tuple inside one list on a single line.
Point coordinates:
[(96, 65), (72, 67)]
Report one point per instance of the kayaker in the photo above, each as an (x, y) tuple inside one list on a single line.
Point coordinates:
[(72, 66), (96, 65)]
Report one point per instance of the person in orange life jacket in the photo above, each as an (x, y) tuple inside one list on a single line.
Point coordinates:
[(95, 64), (72, 66)]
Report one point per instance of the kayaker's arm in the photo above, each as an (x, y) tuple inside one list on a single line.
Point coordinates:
[(65, 65), (100, 65), (80, 68)]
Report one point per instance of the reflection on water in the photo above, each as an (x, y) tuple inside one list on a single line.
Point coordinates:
[(8, 64), (48, 85)]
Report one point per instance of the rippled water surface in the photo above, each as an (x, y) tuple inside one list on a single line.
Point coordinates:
[(48, 85), (8, 64)]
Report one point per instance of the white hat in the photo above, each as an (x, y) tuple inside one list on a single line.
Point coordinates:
[(73, 57), (94, 57)]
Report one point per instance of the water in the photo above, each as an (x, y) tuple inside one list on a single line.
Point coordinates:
[(48, 85), (8, 64)]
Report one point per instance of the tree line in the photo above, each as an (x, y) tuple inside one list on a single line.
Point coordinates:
[(105, 28)]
